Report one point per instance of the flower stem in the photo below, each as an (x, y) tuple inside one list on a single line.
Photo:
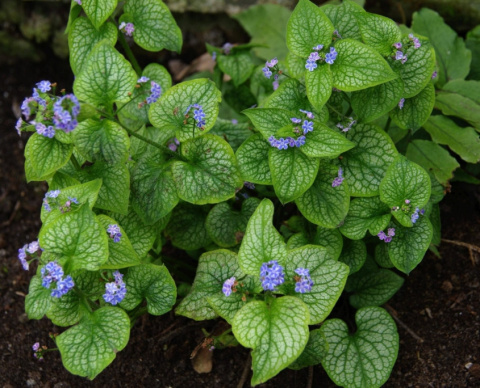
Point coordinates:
[(130, 54), (387, 126)]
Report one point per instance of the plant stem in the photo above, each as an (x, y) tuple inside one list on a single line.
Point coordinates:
[(387, 126), (130, 54), (75, 163), (335, 110)]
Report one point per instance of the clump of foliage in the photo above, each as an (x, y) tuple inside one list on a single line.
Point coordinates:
[(295, 202)]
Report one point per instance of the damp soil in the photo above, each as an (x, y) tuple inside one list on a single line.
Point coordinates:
[(437, 310)]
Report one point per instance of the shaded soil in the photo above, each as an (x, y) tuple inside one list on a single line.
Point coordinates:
[(439, 302)]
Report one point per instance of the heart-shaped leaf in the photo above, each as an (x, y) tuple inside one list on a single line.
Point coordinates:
[(92, 345), (98, 10), (252, 158), (363, 359), (378, 32), (277, 332)]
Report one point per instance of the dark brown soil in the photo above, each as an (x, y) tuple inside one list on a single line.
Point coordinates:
[(440, 301)]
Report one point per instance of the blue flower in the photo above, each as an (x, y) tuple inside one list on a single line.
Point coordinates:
[(127, 28), (22, 256), (227, 47), (310, 65), (143, 79), (282, 144), (271, 63), (305, 282), (401, 103), (214, 55), (331, 56), (43, 130), (300, 141), (339, 179), (267, 72), (63, 286), (33, 247), (44, 86), (309, 114), (271, 275), (114, 231), (415, 215), (318, 47), (295, 120), (115, 291), (66, 110), (349, 126), (397, 45), (307, 126), (228, 285), (155, 93), (314, 56), (386, 237), (18, 126)]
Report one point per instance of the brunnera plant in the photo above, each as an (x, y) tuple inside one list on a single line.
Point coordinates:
[(292, 207)]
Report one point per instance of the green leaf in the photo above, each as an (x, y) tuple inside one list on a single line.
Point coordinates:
[(365, 214), (416, 110), (375, 288), (234, 133), (455, 104), (106, 77), (38, 300), (378, 32), (295, 66), (102, 140), (417, 72), (343, 18), (155, 27), (169, 110), (293, 172), (98, 10), (115, 190), (359, 66), (268, 120), (407, 248), (328, 275), (436, 225), (469, 89), (354, 254), (365, 165), (237, 98), (152, 283), (324, 142), (452, 56), (44, 156), (154, 193), (187, 227), (463, 141), (262, 242), (473, 44), (78, 237), (405, 180), (267, 329), (252, 158), (289, 96), (71, 307), (319, 85), (313, 353), (323, 204), (83, 37), (206, 298), (433, 158), (84, 193), (365, 358), (307, 27), (120, 254), (92, 345), (211, 174), (331, 239), (61, 180), (266, 24), (238, 65), (226, 227), (381, 255), (371, 103)]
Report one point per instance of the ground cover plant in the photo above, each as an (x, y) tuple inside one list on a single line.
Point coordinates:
[(285, 207)]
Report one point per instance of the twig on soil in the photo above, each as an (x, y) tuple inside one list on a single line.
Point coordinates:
[(471, 248), (393, 313), (12, 216), (310, 376), (174, 333), (246, 370)]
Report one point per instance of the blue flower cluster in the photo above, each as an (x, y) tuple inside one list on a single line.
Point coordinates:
[(198, 114), (66, 110), (284, 143), (314, 56), (114, 231), (331, 56), (127, 28), (228, 286), (339, 179), (400, 55), (115, 291), (38, 350), (53, 273), (271, 275), (351, 123), (388, 236), (50, 194), (269, 65), (304, 282), (27, 249), (416, 214), (155, 93)]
